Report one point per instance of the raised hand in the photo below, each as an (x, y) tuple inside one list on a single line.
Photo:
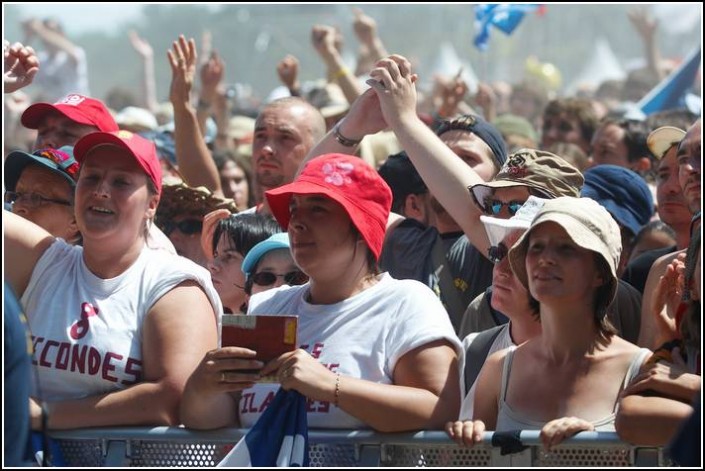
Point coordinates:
[(393, 82), (365, 27), (140, 45), (288, 71), (182, 59), (212, 73), (20, 66)]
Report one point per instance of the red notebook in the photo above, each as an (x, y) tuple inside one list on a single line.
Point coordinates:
[(269, 336)]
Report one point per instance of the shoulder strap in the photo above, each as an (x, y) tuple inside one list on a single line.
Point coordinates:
[(449, 293), (477, 353)]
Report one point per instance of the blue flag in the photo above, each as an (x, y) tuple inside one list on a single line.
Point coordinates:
[(505, 17), (672, 90), (279, 438)]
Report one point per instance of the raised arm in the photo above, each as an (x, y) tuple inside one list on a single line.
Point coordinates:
[(179, 329), (192, 155), (323, 38), (445, 174), (25, 242), (365, 28), (56, 39), (149, 86)]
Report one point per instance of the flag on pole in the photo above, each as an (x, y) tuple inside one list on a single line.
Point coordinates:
[(671, 92), (505, 17), (279, 438)]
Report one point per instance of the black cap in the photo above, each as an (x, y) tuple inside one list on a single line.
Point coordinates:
[(401, 176)]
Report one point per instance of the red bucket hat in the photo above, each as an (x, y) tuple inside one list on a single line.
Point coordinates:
[(351, 182), (143, 150), (78, 108)]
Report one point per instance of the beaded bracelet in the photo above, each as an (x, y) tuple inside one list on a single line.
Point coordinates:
[(337, 390)]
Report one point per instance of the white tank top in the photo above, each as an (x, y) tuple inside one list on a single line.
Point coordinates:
[(509, 419)]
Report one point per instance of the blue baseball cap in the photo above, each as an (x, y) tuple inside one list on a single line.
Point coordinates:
[(279, 240), (60, 161), (622, 192)]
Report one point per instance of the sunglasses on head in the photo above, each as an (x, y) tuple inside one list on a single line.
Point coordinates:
[(188, 226), (494, 207), (267, 278), (497, 252)]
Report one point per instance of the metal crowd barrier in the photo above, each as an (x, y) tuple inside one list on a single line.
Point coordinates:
[(180, 447)]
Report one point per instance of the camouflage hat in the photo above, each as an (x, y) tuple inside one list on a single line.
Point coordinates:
[(547, 175), (181, 199)]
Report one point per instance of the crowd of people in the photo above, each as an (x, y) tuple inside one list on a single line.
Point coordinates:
[(460, 264)]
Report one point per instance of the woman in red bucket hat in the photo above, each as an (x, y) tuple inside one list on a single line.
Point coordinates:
[(373, 351), (117, 326)]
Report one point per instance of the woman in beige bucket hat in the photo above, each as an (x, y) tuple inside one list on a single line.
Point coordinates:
[(569, 378)]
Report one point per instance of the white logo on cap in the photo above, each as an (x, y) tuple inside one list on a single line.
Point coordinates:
[(73, 100), (337, 174)]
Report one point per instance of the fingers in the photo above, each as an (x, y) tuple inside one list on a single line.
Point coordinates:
[(466, 433), (555, 431)]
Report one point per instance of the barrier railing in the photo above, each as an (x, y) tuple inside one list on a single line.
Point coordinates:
[(179, 447)]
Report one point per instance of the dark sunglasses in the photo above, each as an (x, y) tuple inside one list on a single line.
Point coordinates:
[(494, 207), (497, 252), (267, 278), (32, 200), (188, 226)]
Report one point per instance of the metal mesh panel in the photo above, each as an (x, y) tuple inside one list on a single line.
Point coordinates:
[(87, 453), (338, 456), (439, 455), (603, 456), (176, 454)]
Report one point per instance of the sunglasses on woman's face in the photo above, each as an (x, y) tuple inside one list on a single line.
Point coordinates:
[(267, 278), (187, 227), (494, 207)]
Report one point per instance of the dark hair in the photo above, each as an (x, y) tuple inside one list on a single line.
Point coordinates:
[(681, 119), (223, 156), (635, 134), (244, 231), (654, 226), (578, 108)]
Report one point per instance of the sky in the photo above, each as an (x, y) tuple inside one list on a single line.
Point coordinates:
[(81, 17), (78, 18)]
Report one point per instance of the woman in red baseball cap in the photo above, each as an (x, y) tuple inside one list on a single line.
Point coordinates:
[(373, 351), (117, 326)]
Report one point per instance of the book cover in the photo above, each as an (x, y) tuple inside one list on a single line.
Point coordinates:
[(269, 336)]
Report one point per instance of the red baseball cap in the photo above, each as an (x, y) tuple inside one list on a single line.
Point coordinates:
[(78, 108), (351, 182), (143, 150)]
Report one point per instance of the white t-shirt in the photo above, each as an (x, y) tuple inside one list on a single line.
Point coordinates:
[(87, 331), (362, 337), (502, 341)]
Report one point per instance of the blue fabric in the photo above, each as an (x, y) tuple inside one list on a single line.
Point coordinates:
[(49, 447), (17, 349), (279, 438), (505, 17), (671, 92), (622, 192)]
